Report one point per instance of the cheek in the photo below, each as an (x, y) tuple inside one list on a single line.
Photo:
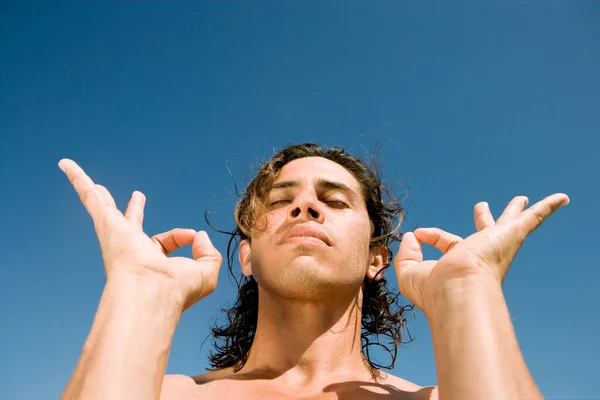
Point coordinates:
[(269, 221), (363, 229), (359, 235)]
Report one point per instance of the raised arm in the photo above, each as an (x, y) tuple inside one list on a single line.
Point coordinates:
[(125, 354), (476, 350)]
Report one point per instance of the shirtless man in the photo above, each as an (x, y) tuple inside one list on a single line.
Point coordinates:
[(308, 243)]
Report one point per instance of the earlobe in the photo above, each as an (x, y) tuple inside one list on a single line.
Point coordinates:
[(378, 260), (245, 257)]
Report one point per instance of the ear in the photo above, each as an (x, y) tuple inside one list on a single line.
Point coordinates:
[(245, 257), (378, 258)]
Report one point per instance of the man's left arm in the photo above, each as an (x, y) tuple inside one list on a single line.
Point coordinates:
[(476, 350)]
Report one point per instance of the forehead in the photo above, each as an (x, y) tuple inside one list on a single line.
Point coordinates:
[(310, 169)]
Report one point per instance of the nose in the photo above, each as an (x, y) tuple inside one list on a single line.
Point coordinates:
[(306, 206)]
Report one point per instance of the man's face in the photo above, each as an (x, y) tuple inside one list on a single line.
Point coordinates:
[(316, 240)]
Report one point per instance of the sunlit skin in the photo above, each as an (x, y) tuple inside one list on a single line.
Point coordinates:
[(305, 268), (307, 339), (309, 320)]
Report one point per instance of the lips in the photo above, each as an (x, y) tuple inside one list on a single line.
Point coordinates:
[(305, 231)]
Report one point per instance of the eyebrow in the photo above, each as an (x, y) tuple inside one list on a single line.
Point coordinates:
[(322, 183)]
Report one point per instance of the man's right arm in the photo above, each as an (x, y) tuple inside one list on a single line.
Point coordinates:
[(125, 354)]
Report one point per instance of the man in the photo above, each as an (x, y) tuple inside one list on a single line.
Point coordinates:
[(314, 231)]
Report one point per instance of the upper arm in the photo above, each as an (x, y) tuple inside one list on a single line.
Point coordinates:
[(177, 387)]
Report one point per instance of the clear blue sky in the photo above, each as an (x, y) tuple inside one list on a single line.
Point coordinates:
[(468, 101)]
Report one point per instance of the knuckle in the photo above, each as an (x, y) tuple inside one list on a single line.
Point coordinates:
[(538, 216), (83, 196)]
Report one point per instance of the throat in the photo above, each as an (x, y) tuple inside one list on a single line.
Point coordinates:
[(307, 343)]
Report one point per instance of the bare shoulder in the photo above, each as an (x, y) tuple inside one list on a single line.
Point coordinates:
[(419, 392), (212, 376), (177, 387)]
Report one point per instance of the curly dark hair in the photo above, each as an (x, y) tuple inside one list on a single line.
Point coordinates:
[(382, 315)]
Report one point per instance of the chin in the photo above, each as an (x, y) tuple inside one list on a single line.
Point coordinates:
[(306, 279)]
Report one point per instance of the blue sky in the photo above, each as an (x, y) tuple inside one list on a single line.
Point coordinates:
[(468, 102)]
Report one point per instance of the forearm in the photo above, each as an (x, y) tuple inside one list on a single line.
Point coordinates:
[(126, 352), (476, 349)]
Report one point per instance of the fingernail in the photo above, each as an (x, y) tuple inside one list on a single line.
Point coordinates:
[(61, 165)]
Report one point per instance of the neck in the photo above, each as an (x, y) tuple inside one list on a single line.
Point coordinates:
[(304, 342)]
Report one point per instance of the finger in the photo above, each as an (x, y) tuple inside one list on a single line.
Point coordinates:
[(410, 252), (483, 216), (106, 196), (85, 188), (441, 240), (203, 249), (174, 239), (209, 262), (134, 212), (535, 215), (513, 209)]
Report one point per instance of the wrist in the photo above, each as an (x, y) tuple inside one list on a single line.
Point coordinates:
[(146, 290), (129, 340), (460, 295), (133, 308), (474, 340)]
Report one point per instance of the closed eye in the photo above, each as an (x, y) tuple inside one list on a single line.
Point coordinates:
[(280, 203), (331, 203), (336, 204)]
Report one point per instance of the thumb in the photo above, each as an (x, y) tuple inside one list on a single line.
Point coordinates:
[(203, 249), (410, 252)]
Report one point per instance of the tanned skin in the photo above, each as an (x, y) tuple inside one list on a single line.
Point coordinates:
[(309, 264)]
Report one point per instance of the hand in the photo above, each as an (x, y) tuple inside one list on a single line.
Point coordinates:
[(127, 250), (488, 252)]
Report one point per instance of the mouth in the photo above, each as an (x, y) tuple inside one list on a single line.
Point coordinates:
[(305, 234)]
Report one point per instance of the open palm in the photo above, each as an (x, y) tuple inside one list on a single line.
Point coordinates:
[(126, 249), (489, 251)]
